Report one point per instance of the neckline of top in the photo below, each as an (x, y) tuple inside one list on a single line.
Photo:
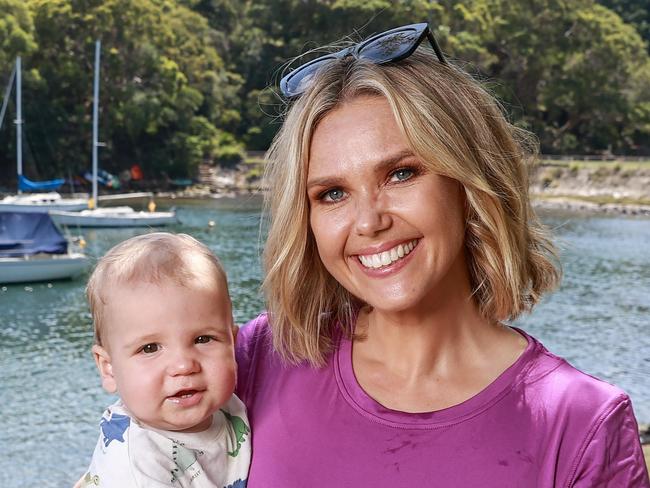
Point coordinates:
[(374, 411)]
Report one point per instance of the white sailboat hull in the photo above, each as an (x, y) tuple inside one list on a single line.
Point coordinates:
[(114, 217), (42, 267), (123, 197), (41, 202)]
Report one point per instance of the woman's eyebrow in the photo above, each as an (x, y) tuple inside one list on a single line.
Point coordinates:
[(324, 181), (392, 161), (379, 167)]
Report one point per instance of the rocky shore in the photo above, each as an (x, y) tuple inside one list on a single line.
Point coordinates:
[(598, 187), (579, 205)]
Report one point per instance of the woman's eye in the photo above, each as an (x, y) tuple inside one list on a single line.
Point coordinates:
[(204, 339), (333, 195), (402, 174), (149, 348)]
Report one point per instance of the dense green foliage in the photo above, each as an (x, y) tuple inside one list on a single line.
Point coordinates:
[(187, 81), (635, 12)]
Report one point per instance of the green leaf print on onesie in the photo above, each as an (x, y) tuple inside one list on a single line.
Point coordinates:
[(183, 458), (237, 433)]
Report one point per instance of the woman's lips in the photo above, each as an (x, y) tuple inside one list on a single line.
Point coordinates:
[(386, 258)]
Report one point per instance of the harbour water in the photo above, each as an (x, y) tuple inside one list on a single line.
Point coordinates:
[(51, 396)]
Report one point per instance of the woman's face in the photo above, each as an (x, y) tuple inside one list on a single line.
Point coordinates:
[(388, 229)]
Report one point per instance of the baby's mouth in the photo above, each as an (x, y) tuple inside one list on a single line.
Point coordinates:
[(182, 395)]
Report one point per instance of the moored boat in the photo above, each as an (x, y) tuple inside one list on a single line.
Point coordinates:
[(33, 249), (113, 217), (41, 202)]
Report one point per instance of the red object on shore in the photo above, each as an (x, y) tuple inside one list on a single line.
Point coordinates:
[(136, 172)]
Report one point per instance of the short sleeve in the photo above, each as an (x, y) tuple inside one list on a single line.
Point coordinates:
[(247, 352), (613, 456)]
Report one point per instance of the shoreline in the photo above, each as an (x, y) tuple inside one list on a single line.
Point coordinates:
[(577, 204), (612, 187)]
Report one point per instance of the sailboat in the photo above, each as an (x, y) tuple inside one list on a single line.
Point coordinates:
[(33, 249), (110, 216), (31, 202)]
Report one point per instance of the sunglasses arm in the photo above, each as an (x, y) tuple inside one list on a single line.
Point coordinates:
[(436, 48)]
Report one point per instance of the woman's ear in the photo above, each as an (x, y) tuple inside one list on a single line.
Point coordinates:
[(103, 362)]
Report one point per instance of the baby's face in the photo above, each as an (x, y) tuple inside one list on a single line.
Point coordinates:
[(169, 353)]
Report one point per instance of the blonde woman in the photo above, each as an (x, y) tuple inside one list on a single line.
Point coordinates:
[(401, 243)]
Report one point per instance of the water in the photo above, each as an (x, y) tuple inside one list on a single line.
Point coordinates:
[(51, 395)]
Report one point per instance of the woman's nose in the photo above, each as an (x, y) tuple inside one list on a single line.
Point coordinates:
[(372, 216), (183, 363)]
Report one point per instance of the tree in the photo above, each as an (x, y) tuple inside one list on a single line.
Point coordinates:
[(16, 33), (16, 39), (635, 12), (163, 85), (570, 70), (260, 36)]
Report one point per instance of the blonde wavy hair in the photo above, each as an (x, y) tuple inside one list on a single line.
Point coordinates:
[(152, 258), (458, 130)]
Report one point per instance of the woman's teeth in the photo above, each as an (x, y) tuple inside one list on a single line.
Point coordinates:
[(387, 257)]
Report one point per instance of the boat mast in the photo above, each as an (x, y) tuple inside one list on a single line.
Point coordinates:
[(5, 99), (95, 119), (19, 122)]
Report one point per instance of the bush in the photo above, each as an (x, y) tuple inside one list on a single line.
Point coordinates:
[(229, 155)]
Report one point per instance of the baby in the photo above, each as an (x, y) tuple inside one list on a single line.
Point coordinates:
[(164, 342)]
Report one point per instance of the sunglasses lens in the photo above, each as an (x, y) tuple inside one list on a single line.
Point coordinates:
[(390, 47), (297, 81)]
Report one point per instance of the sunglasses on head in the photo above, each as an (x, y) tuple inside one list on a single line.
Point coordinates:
[(392, 45)]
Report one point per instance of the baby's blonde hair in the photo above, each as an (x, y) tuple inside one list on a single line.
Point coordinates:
[(152, 258), (458, 130)]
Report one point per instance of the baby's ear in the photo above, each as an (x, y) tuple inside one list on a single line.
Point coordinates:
[(103, 362)]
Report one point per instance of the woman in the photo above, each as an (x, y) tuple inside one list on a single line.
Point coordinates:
[(401, 238)]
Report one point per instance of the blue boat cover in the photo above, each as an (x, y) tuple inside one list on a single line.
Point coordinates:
[(104, 178), (29, 233), (28, 185)]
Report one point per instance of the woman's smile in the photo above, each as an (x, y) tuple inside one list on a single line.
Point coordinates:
[(381, 260)]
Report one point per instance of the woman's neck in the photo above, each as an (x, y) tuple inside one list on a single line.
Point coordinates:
[(431, 358)]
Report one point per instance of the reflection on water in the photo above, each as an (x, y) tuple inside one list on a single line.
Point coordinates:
[(52, 398)]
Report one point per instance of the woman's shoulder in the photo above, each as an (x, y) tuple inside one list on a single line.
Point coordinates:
[(592, 416), (575, 399), (563, 384), (250, 333), (253, 343)]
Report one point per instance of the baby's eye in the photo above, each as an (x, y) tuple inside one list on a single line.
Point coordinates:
[(149, 348), (204, 339), (333, 195), (402, 174)]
